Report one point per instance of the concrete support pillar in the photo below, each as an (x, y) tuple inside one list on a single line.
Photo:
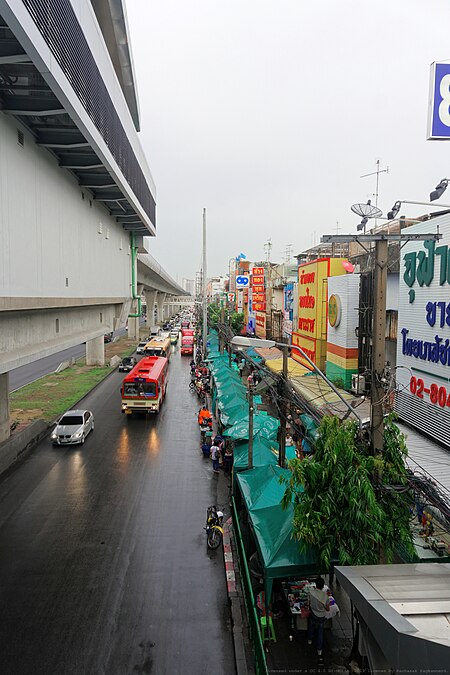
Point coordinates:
[(150, 297), (95, 351), (133, 327), (160, 304), (4, 407)]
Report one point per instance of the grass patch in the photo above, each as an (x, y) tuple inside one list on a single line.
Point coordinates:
[(52, 395)]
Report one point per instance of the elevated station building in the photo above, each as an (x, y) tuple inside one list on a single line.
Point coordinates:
[(76, 194)]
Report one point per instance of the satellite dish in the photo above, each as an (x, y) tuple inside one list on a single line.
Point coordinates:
[(366, 210)]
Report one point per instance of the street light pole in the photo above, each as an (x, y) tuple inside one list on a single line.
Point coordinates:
[(205, 305), (250, 426), (255, 342)]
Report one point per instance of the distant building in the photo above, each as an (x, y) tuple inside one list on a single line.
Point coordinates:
[(336, 250), (189, 285)]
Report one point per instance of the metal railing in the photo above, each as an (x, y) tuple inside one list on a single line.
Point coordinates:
[(253, 623)]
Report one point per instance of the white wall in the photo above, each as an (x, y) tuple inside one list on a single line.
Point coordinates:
[(48, 233)]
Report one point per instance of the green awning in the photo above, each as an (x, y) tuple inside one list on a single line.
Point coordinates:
[(281, 556), (264, 425)]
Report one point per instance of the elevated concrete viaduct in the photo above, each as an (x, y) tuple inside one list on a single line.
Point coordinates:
[(77, 199)]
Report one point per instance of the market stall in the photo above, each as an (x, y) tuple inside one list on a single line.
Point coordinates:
[(296, 595), (280, 554)]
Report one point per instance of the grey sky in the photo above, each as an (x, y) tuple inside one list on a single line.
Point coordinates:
[(266, 112)]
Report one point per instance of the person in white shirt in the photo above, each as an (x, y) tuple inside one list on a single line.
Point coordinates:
[(318, 605), (215, 454)]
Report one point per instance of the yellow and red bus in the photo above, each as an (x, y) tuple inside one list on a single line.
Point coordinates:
[(158, 346), (144, 388)]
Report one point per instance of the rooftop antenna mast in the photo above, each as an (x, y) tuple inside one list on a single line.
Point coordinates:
[(288, 253), (267, 249), (377, 174)]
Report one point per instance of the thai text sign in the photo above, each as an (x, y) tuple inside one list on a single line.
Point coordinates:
[(439, 102), (260, 325), (312, 279), (423, 344)]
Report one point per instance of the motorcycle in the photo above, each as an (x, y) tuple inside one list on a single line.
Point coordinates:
[(201, 388), (214, 527), (205, 427)]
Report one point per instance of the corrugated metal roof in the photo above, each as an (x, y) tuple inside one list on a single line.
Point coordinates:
[(428, 456)]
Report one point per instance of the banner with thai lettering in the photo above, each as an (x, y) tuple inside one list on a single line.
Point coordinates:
[(423, 340), (260, 327)]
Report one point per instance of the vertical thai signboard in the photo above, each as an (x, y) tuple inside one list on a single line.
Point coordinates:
[(258, 287), (310, 334), (423, 344)]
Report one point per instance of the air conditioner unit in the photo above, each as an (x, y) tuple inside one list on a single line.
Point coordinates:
[(358, 385)]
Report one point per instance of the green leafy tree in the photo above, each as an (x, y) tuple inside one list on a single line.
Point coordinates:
[(349, 504), (213, 314), (237, 322)]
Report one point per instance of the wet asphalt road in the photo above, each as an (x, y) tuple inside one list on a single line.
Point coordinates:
[(103, 559)]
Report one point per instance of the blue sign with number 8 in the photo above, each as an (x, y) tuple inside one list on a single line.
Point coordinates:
[(439, 118)]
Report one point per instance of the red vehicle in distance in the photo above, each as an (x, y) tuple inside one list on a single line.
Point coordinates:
[(187, 341), (144, 388)]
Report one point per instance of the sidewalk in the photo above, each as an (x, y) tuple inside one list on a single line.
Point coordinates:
[(297, 656)]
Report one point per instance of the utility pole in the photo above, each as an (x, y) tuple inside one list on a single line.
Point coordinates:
[(377, 393), (205, 305), (250, 426), (222, 323), (282, 451)]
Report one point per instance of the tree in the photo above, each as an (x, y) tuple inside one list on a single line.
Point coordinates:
[(349, 504), (213, 314), (237, 322)]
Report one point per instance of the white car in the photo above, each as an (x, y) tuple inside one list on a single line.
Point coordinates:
[(140, 347), (73, 427)]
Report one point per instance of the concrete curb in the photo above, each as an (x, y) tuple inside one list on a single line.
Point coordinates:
[(235, 601), (19, 445)]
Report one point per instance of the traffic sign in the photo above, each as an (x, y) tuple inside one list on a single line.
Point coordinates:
[(439, 102), (242, 281)]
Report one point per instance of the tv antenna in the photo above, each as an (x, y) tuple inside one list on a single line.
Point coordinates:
[(288, 253), (267, 249), (377, 174)]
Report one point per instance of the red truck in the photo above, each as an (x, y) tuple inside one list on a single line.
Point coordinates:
[(187, 341)]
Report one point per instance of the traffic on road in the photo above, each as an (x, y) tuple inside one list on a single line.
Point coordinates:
[(103, 558)]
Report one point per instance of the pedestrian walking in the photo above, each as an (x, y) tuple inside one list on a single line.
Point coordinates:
[(215, 455), (318, 607)]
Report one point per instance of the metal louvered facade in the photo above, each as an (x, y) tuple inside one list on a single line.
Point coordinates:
[(34, 93)]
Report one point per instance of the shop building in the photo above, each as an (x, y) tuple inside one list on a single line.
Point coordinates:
[(423, 344), (310, 333)]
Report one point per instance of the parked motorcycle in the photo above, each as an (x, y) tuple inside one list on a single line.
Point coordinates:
[(214, 527)]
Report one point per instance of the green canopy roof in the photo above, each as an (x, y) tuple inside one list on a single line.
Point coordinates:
[(265, 425), (265, 452), (231, 414), (281, 556)]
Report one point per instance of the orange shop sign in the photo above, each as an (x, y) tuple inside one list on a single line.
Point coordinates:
[(258, 271), (258, 280), (258, 289)]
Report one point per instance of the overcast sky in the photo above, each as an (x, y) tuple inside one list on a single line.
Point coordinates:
[(267, 112)]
